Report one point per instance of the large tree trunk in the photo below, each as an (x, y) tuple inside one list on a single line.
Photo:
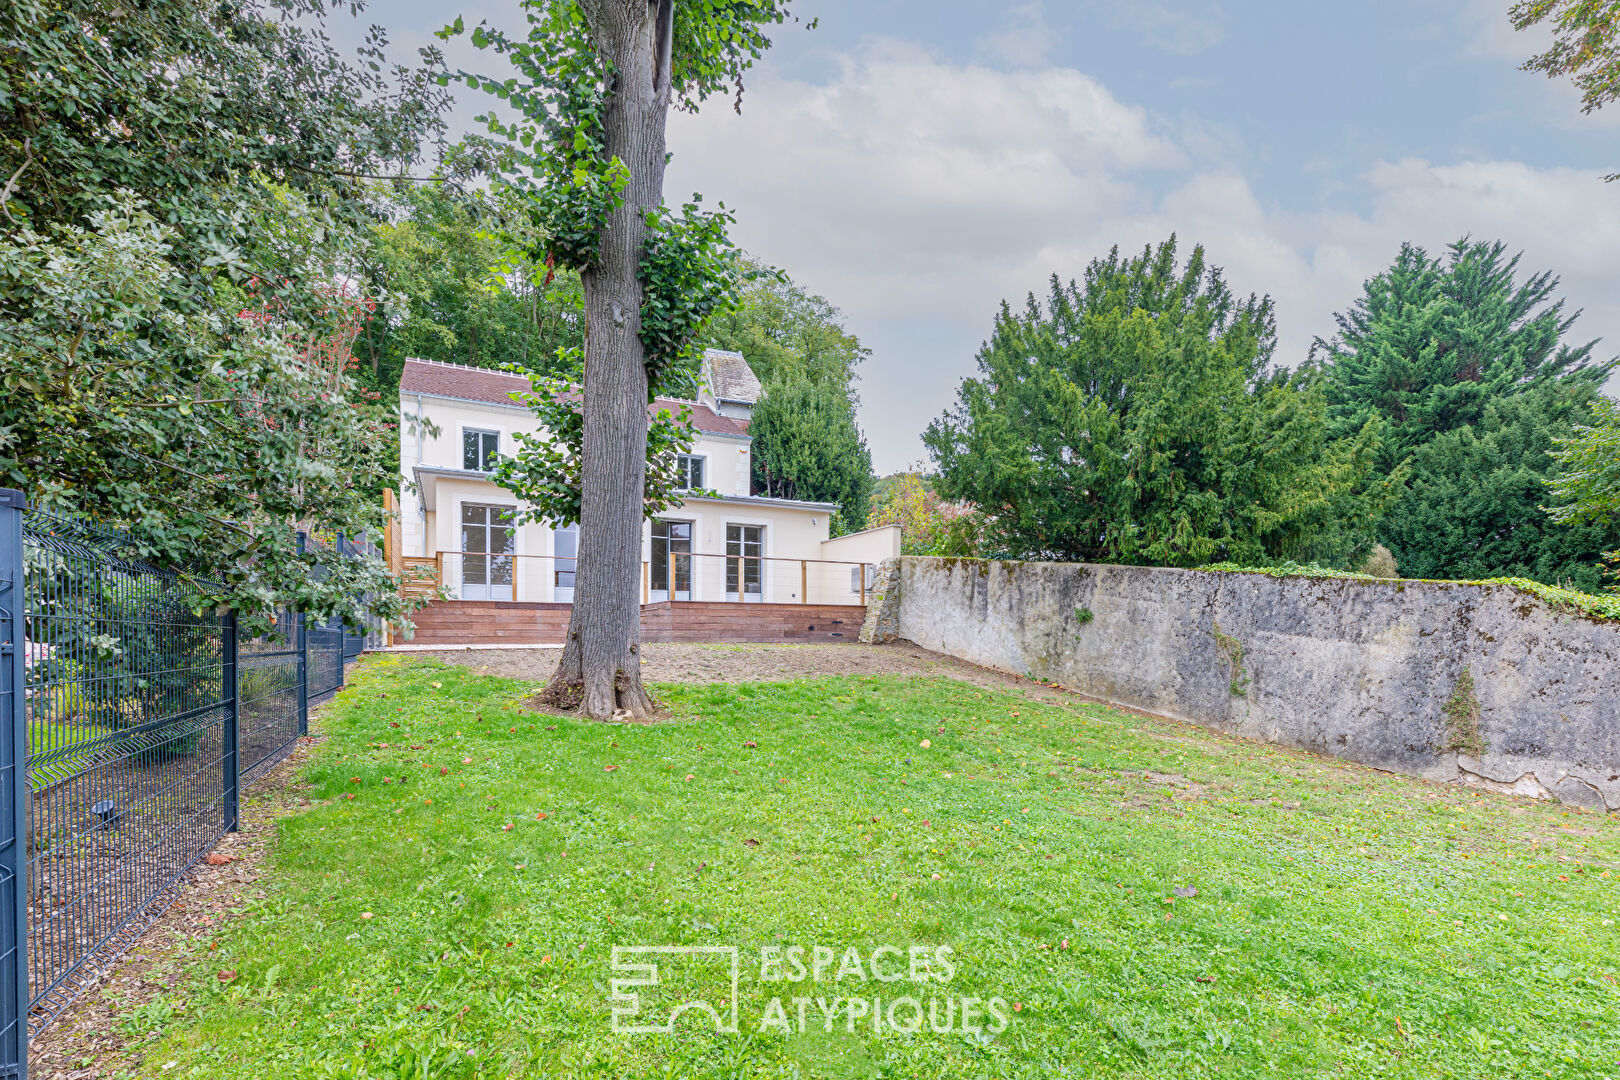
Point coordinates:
[(600, 670)]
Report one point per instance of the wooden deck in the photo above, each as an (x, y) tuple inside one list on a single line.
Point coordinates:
[(479, 622), (489, 622), (698, 621)]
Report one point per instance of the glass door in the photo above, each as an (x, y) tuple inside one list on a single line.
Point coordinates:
[(565, 546), (670, 575), (745, 548), (488, 540)]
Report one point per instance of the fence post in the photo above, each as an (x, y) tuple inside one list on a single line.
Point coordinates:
[(232, 741), (301, 637), (13, 790)]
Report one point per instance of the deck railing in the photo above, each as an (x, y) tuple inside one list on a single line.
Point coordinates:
[(677, 577)]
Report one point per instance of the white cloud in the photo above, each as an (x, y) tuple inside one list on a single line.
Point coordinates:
[(916, 194)]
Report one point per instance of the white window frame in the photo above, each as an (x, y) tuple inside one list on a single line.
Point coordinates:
[(684, 462), (486, 590), (656, 595), (474, 429), (767, 540)]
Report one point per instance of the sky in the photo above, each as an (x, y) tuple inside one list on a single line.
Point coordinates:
[(918, 163)]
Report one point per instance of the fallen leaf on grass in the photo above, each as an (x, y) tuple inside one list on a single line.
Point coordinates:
[(609, 768), (226, 976), (751, 842), (1185, 891)]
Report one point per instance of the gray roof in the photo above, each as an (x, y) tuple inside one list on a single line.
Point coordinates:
[(729, 376)]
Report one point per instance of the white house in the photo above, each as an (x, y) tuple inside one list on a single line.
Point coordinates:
[(724, 545)]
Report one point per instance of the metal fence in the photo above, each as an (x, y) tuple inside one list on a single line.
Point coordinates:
[(129, 724)]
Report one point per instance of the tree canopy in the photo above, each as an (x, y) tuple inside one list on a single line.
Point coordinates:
[(786, 332), (928, 524), (183, 199), (467, 289), (1432, 341), (1132, 419), (807, 443), (1468, 368), (1473, 506), (1584, 47), (1587, 485), (806, 446)]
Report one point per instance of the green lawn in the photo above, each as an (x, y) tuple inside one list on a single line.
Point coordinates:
[(1345, 923)]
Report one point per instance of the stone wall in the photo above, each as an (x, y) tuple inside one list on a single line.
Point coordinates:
[(1376, 672)]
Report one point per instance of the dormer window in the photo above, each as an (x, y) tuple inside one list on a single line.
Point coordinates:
[(479, 449), (689, 472)]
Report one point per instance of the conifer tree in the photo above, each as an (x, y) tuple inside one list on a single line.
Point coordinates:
[(1469, 370), (1133, 419)]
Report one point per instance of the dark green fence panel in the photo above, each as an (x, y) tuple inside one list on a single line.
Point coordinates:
[(129, 725)]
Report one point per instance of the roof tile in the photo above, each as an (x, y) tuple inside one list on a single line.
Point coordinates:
[(730, 377), (497, 388)]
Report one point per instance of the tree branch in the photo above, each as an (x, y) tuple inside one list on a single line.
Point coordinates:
[(11, 185), (663, 46), (371, 176)]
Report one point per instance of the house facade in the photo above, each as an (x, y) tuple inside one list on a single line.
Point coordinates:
[(725, 544)]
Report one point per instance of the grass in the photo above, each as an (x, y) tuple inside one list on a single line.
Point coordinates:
[(48, 735), (1345, 922)]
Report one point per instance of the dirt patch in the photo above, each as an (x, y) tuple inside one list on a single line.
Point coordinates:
[(685, 663), (98, 1035)]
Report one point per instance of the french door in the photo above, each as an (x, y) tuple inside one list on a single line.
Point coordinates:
[(745, 548), (670, 572), (488, 541)]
